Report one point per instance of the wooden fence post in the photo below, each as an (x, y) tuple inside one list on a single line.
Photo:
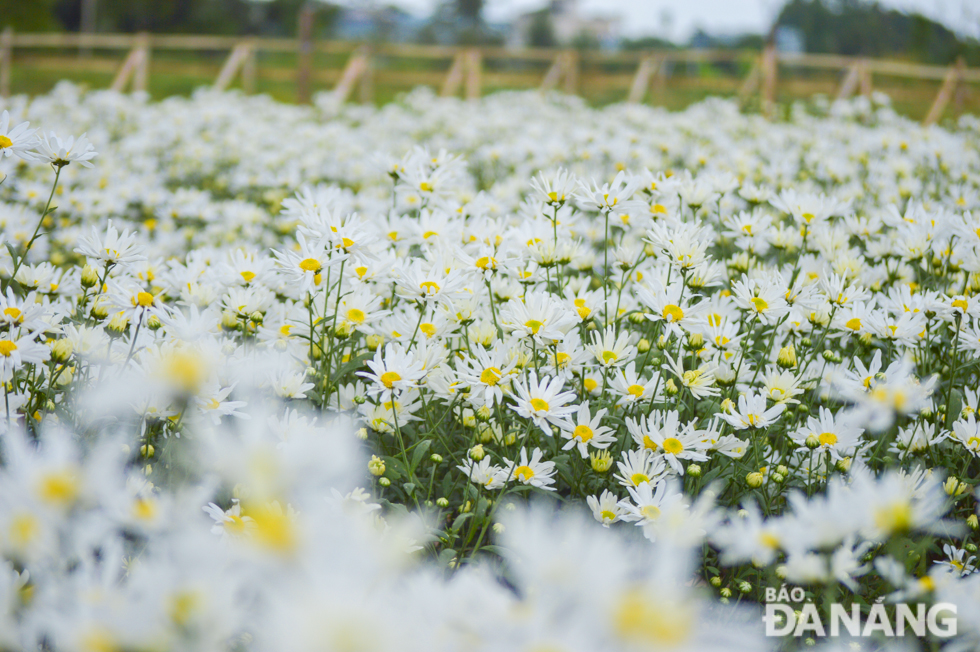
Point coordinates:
[(945, 92), (864, 72), (305, 54), (356, 67), (641, 80), (6, 57), (553, 76), (454, 78), (236, 60), (135, 66), (849, 83), (249, 70), (770, 73), (474, 70), (141, 75), (571, 72), (751, 83)]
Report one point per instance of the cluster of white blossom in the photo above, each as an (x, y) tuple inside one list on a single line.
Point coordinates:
[(288, 377)]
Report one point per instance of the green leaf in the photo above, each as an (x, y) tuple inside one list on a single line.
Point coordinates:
[(460, 520), (955, 408), (446, 556), (420, 450), (497, 550), (409, 488)]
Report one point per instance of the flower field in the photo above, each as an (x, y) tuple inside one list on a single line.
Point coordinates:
[(511, 374)]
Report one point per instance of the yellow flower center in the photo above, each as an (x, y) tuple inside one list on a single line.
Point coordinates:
[(346, 243), (144, 509), (428, 329), (356, 315), (248, 276), (59, 487), (673, 445), (961, 304), (607, 515), (894, 517), (491, 376), (639, 478), (389, 378), (649, 443), (608, 357), (523, 472), (5, 142), (659, 624), (673, 313), (854, 323), (635, 390), (828, 438), (590, 383), (582, 432), (759, 303), (534, 325), (7, 347), (310, 265), (425, 186), (144, 299), (23, 529), (650, 512), (13, 313), (429, 287), (540, 405)]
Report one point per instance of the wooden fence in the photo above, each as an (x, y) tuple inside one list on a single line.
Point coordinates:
[(634, 73)]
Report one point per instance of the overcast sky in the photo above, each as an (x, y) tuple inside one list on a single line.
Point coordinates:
[(678, 20)]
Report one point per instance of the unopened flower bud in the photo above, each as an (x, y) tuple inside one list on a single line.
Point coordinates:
[(973, 522), (728, 406), (970, 547), (361, 433), (715, 581), (384, 482), (498, 528), (117, 325), (90, 276), (694, 470), (954, 487), (695, 341), (435, 458), (99, 310), (844, 464), (812, 441), (662, 343), (442, 502), (755, 479), (787, 357), (726, 592), (831, 356), (782, 469), (376, 466), (61, 349), (670, 388), (778, 478), (147, 450), (477, 453), (643, 345), (153, 323), (374, 341), (744, 587), (601, 461)]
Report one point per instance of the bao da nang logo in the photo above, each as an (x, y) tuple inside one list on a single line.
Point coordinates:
[(789, 614)]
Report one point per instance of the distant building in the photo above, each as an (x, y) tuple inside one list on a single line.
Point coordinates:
[(384, 23), (568, 24), (790, 39)]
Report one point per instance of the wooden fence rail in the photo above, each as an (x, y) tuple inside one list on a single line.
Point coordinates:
[(467, 67)]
